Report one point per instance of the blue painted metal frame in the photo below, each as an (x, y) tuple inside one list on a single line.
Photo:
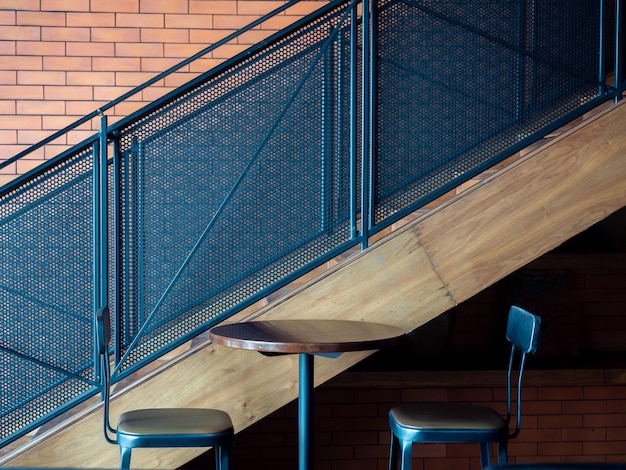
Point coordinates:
[(351, 72), (620, 47), (305, 409)]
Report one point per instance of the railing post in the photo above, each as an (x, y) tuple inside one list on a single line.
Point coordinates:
[(601, 46), (100, 216), (620, 39), (99, 240), (103, 213), (95, 219), (117, 250), (367, 167), (354, 121)]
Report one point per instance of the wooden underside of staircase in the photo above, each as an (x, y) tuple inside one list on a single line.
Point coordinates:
[(438, 260)]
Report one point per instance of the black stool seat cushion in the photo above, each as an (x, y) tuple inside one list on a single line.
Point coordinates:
[(168, 421), (446, 416)]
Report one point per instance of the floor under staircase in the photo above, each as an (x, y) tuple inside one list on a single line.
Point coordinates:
[(421, 268)]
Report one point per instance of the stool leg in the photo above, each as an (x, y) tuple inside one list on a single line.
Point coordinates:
[(393, 452), (125, 458), (221, 457), (407, 454), (485, 455), (502, 452)]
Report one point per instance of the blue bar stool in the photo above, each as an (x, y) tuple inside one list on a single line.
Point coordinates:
[(453, 423), (160, 427)]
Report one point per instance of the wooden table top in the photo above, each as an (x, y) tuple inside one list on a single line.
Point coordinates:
[(306, 336)]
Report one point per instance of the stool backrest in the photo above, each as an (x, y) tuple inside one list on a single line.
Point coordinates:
[(522, 331), (103, 337)]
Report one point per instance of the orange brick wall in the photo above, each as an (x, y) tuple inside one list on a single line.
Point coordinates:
[(62, 59)]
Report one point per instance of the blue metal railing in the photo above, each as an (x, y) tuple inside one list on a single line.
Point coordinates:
[(252, 174)]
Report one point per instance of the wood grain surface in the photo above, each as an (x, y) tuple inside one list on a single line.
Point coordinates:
[(306, 336)]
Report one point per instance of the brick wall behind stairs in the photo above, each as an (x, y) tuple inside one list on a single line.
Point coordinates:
[(585, 422), (574, 390)]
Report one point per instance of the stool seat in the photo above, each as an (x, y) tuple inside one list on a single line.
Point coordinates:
[(174, 427), (165, 421), (463, 421)]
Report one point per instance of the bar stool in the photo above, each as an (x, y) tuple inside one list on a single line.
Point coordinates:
[(453, 423), (160, 427)]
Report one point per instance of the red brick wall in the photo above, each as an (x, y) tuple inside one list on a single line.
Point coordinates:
[(562, 423), (62, 59)]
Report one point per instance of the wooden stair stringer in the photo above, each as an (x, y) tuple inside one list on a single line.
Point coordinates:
[(416, 273)]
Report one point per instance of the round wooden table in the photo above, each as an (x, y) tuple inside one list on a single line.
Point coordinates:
[(306, 338)]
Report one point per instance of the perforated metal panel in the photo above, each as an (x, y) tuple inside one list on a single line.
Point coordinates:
[(458, 83), (235, 185), (46, 351)]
